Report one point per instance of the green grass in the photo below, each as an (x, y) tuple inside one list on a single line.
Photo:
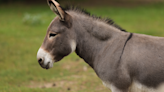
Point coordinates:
[(20, 39)]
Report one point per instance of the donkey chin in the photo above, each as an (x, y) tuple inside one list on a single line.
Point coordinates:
[(45, 59)]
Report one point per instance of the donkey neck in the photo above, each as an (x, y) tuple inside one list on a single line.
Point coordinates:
[(92, 37)]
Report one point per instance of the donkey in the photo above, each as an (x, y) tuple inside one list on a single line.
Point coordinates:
[(125, 62)]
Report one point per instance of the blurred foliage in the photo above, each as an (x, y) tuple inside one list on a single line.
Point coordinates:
[(33, 19), (7, 1)]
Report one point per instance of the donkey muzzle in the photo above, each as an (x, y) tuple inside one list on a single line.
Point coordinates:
[(45, 59)]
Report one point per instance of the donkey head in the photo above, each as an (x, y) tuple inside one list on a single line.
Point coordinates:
[(60, 38)]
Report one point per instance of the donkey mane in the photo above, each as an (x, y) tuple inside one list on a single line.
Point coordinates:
[(84, 11)]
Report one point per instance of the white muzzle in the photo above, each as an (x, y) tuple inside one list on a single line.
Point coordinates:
[(45, 59)]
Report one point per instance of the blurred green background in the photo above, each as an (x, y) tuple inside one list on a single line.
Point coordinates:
[(23, 25)]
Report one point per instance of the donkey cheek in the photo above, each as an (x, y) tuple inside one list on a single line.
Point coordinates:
[(66, 51)]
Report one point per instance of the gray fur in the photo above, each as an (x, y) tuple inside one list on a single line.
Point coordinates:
[(101, 45)]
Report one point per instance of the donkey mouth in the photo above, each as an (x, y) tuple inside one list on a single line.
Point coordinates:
[(48, 65)]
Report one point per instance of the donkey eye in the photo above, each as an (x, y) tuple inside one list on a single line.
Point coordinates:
[(52, 35)]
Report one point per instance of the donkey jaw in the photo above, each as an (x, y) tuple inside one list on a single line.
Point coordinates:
[(45, 59)]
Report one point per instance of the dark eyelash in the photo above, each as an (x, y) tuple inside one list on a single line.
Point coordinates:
[(52, 35)]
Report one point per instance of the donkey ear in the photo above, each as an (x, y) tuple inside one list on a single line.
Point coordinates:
[(55, 7)]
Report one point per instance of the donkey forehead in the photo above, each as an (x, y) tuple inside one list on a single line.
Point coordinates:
[(56, 25)]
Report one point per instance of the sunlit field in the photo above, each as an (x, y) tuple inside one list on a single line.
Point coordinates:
[(22, 30)]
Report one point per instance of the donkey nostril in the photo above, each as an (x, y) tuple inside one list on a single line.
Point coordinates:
[(40, 60)]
